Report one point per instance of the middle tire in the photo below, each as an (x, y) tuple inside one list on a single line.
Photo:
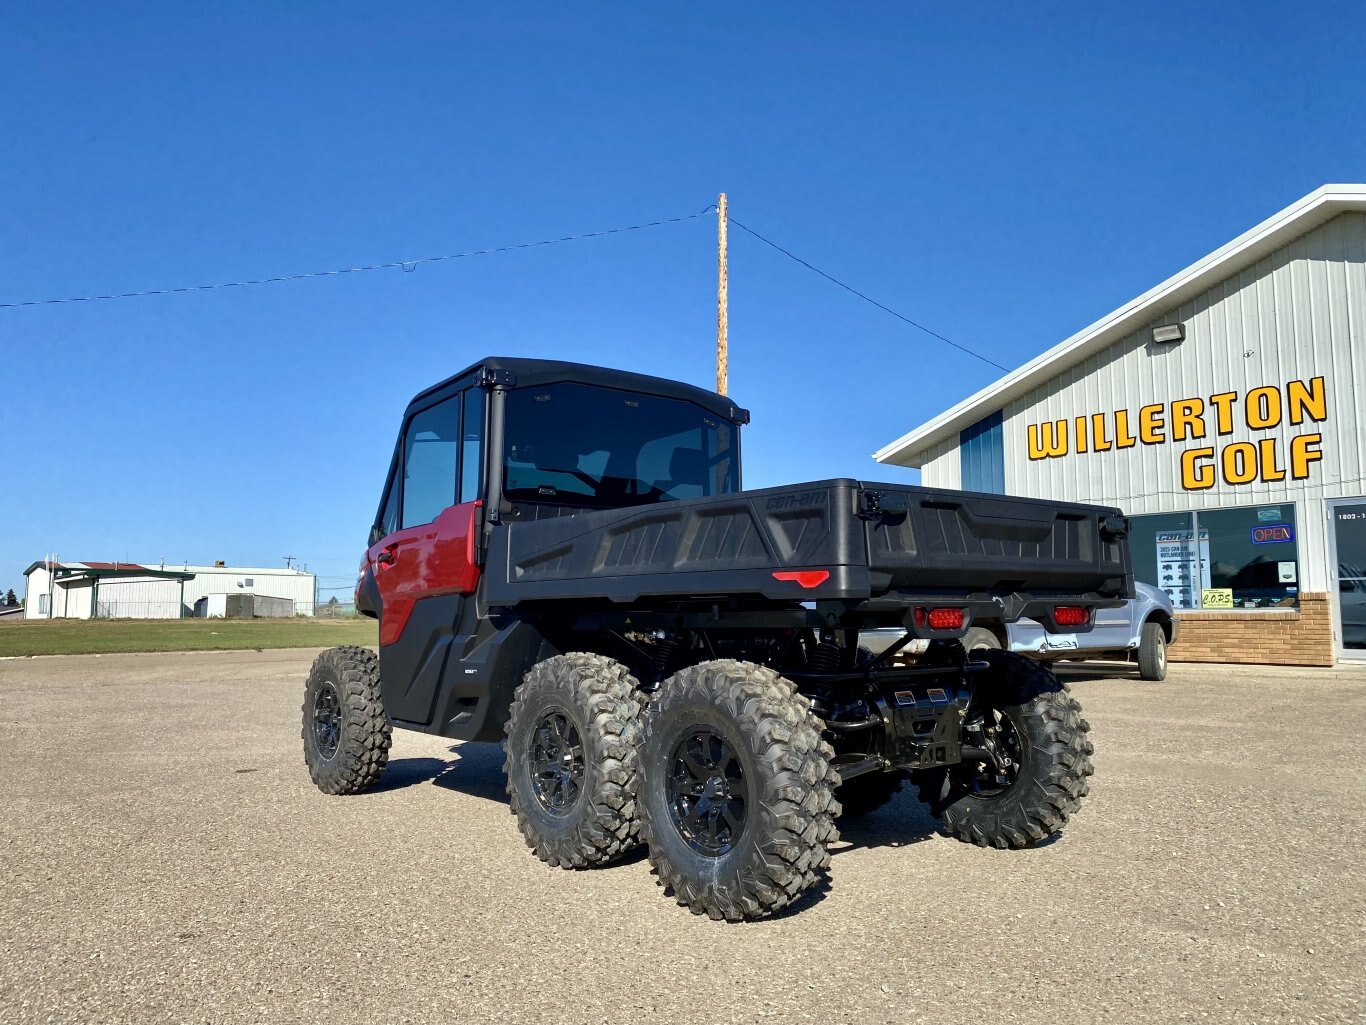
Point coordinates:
[(571, 759), (737, 792)]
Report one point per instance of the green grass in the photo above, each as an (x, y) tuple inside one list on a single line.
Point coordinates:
[(107, 636)]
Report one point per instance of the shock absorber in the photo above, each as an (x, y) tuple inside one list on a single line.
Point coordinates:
[(665, 646), (824, 658)]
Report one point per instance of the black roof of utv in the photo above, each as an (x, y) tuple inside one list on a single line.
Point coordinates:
[(515, 371)]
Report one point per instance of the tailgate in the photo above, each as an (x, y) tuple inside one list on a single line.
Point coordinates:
[(963, 539)]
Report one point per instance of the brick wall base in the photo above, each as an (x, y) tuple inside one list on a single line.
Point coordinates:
[(1278, 638)]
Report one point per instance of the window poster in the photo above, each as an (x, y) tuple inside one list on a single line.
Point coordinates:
[(1183, 566)]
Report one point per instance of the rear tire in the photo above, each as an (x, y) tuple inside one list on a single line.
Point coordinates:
[(1152, 652), (571, 759), (345, 731), (1030, 717), (737, 791)]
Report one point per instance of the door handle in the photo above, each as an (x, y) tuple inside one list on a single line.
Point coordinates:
[(386, 556)]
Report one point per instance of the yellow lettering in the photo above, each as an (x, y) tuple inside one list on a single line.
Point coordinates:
[(1270, 469), (1098, 439), (1197, 477), (1188, 419), (1240, 462), (1048, 439), (1301, 454), (1123, 437), (1223, 410), (1263, 408), (1310, 400), (1150, 425), (1079, 438)]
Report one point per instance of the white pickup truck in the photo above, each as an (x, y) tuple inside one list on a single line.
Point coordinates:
[(1137, 631)]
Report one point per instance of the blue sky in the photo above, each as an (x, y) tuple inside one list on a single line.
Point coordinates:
[(1003, 173)]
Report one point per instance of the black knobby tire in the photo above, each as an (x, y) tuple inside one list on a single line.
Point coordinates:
[(761, 839), (345, 731), (979, 637), (1051, 752), (582, 712), (865, 794), (1152, 652)]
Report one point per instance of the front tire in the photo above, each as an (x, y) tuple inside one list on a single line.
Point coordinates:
[(737, 791), (571, 759), (1041, 765), (1152, 652), (345, 731)]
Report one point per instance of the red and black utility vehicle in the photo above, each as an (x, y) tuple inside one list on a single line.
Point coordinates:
[(564, 561)]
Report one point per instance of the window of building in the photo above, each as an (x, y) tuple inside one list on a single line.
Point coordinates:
[(1245, 558), (42, 605), (431, 447), (249, 582), (981, 455)]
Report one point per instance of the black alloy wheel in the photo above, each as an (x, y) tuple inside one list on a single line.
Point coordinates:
[(345, 732), (557, 762), (327, 720), (707, 793)]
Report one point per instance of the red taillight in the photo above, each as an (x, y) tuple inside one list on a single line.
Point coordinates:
[(939, 619), (1071, 615), (807, 578)]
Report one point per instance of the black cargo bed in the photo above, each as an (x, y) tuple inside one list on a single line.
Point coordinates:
[(905, 541)]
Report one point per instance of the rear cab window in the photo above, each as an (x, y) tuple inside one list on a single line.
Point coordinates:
[(574, 444)]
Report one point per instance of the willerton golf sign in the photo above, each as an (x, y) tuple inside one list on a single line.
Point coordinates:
[(1205, 418)]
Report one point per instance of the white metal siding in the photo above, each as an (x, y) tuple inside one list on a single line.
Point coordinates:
[(273, 582), (1297, 314), (72, 599), (944, 467), (138, 598)]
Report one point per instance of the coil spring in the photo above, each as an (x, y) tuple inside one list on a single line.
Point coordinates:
[(824, 658), (664, 653)]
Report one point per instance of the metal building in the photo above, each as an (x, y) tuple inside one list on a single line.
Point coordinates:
[(111, 590), (1224, 410)]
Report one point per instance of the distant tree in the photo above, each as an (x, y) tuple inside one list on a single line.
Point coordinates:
[(11, 602), (331, 601)]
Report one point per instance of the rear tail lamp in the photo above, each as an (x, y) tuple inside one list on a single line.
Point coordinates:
[(1071, 615), (939, 619)]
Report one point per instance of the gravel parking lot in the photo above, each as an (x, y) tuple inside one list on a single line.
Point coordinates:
[(165, 858)]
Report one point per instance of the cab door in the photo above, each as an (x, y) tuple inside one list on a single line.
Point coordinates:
[(425, 566)]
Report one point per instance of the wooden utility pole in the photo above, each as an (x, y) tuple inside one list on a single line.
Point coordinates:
[(722, 300)]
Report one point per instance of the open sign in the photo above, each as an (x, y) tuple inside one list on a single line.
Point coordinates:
[(1272, 534)]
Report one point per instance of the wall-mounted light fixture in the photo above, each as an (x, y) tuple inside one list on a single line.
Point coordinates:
[(1168, 333)]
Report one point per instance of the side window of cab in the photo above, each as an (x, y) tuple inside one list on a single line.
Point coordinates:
[(440, 463), (431, 461)]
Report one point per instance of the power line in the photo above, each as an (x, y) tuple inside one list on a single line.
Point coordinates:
[(866, 298), (405, 265)]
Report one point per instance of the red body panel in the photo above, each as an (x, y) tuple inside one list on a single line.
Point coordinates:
[(417, 562)]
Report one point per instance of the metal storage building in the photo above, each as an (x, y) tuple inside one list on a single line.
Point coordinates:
[(85, 590), (105, 590), (1224, 410)]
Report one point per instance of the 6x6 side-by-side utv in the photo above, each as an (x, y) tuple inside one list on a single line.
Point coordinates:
[(564, 561)]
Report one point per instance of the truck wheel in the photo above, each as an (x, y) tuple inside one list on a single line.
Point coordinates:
[(1152, 652), (864, 795), (571, 759), (346, 733), (737, 792), (1043, 759), (980, 637)]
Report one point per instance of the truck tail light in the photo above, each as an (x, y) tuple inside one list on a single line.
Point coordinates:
[(1071, 615), (939, 619), (807, 578)]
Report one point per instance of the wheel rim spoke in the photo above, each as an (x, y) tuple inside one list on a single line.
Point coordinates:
[(557, 762), (327, 720), (706, 792)]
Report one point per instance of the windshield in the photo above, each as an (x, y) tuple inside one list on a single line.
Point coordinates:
[(578, 444)]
